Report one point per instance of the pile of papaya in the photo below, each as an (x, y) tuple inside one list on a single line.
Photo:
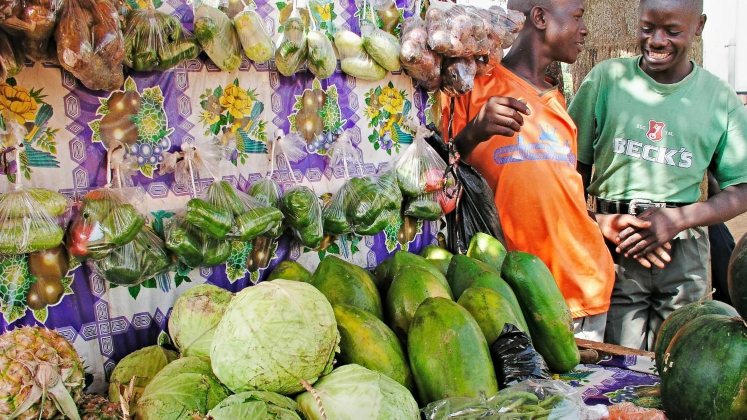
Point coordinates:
[(428, 320)]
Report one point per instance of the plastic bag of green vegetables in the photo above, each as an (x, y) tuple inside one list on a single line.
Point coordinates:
[(373, 203), (135, 262), (424, 207), (255, 40), (156, 41), (194, 247), (268, 192), (321, 57), (530, 399), (420, 169), (29, 220), (303, 214), (215, 32), (291, 50), (354, 60), (382, 46), (345, 161), (106, 221)]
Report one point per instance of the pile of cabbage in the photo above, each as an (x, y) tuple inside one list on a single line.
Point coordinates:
[(247, 355)]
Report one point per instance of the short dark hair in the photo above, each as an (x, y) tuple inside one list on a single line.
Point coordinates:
[(696, 5)]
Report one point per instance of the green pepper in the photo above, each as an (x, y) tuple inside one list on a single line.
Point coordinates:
[(186, 246), (208, 218), (384, 219), (215, 252), (122, 225), (266, 191), (301, 207), (423, 209), (310, 236), (223, 194), (256, 222), (151, 253)]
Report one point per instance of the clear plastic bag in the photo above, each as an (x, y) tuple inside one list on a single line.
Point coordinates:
[(372, 203), (511, 22), (142, 258), (90, 44), (217, 36), (291, 50), (11, 59), (419, 169), (32, 22), (255, 41), (29, 220), (193, 247), (456, 31), (156, 41), (420, 63), (321, 57), (458, 75), (106, 220), (303, 214), (382, 46), (343, 157), (388, 13), (526, 400), (354, 60)]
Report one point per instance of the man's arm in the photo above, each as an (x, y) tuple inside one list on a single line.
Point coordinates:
[(666, 223), (500, 116)]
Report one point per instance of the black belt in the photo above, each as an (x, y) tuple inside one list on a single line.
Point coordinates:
[(635, 206)]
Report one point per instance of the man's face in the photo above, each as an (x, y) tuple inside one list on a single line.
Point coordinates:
[(566, 29), (666, 29)]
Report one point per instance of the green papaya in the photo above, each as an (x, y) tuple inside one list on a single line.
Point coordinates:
[(345, 283), (547, 314), (384, 273), (448, 353), (290, 270), (490, 310), (410, 287), (437, 256), (365, 340), (463, 271), (494, 282), (487, 249)]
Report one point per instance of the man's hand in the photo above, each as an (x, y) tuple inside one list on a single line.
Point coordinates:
[(613, 226), (639, 241), (500, 116)]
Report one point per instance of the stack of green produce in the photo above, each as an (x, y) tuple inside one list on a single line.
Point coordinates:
[(28, 220), (303, 213), (156, 41), (106, 221), (133, 263)]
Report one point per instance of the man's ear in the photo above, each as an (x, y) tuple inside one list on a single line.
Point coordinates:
[(537, 17), (701, 25)]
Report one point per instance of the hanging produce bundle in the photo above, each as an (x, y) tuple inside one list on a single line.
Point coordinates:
[(255, 40), (388, 14), (217, 36), (322, 60), (456, 31), (420, 62), (343, 156), (382, 46), (420, 173), (156, 41), (193, 247), (32, 23), (28, 220), (90, 44), (354, 60), (11, 58), (142, 258), (106, 221), (303, 213), (291, 50)]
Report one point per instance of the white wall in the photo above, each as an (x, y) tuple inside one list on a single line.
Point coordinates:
[(725, 41)]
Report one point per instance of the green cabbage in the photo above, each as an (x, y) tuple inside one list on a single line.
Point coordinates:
[(183, 389), (255, 405), (354, 392), (195, 316), (143, 365), (273, 336)]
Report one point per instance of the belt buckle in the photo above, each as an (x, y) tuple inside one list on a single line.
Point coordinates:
[(642, 204)]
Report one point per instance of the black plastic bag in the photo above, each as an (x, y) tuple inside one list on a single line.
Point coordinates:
[(515, 359), (475, 209)]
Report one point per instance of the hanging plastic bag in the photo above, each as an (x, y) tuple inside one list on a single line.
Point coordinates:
[(372, 203), (217, 36), (456, 31), (303, 212), (419, 61), (135, 262), (156, 41), (344, 157), (251, 218), (90, 44), (291, 50), (255, 41), (511, 22), (193, 247), (467, 200), (321, 57), (32, 23), (11, 58), (382, 46), (419, 169), (354, 60), (388, 14), (458, 75)]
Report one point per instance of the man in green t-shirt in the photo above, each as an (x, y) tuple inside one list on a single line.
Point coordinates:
[(652, 126)]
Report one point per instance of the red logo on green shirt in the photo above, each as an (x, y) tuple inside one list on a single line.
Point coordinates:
[(655, 130)]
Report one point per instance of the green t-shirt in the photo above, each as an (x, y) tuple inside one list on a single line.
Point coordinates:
[(655, 141)]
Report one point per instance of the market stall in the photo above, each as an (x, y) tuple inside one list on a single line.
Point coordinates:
[(164, 168)]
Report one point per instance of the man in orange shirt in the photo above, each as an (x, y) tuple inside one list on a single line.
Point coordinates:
[(514, 129)]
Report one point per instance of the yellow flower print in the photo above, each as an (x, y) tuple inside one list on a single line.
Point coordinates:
[(18, 102), (210, 118), (391, 100), (371, 112), (236, 101), (324, 11)]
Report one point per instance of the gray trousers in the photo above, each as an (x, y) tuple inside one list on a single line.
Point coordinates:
[(642, 298)]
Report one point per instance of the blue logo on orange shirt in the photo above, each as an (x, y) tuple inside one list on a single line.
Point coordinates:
[(548, 147)]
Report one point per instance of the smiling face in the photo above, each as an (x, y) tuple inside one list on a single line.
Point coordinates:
[(566, 30), (666, 29)]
